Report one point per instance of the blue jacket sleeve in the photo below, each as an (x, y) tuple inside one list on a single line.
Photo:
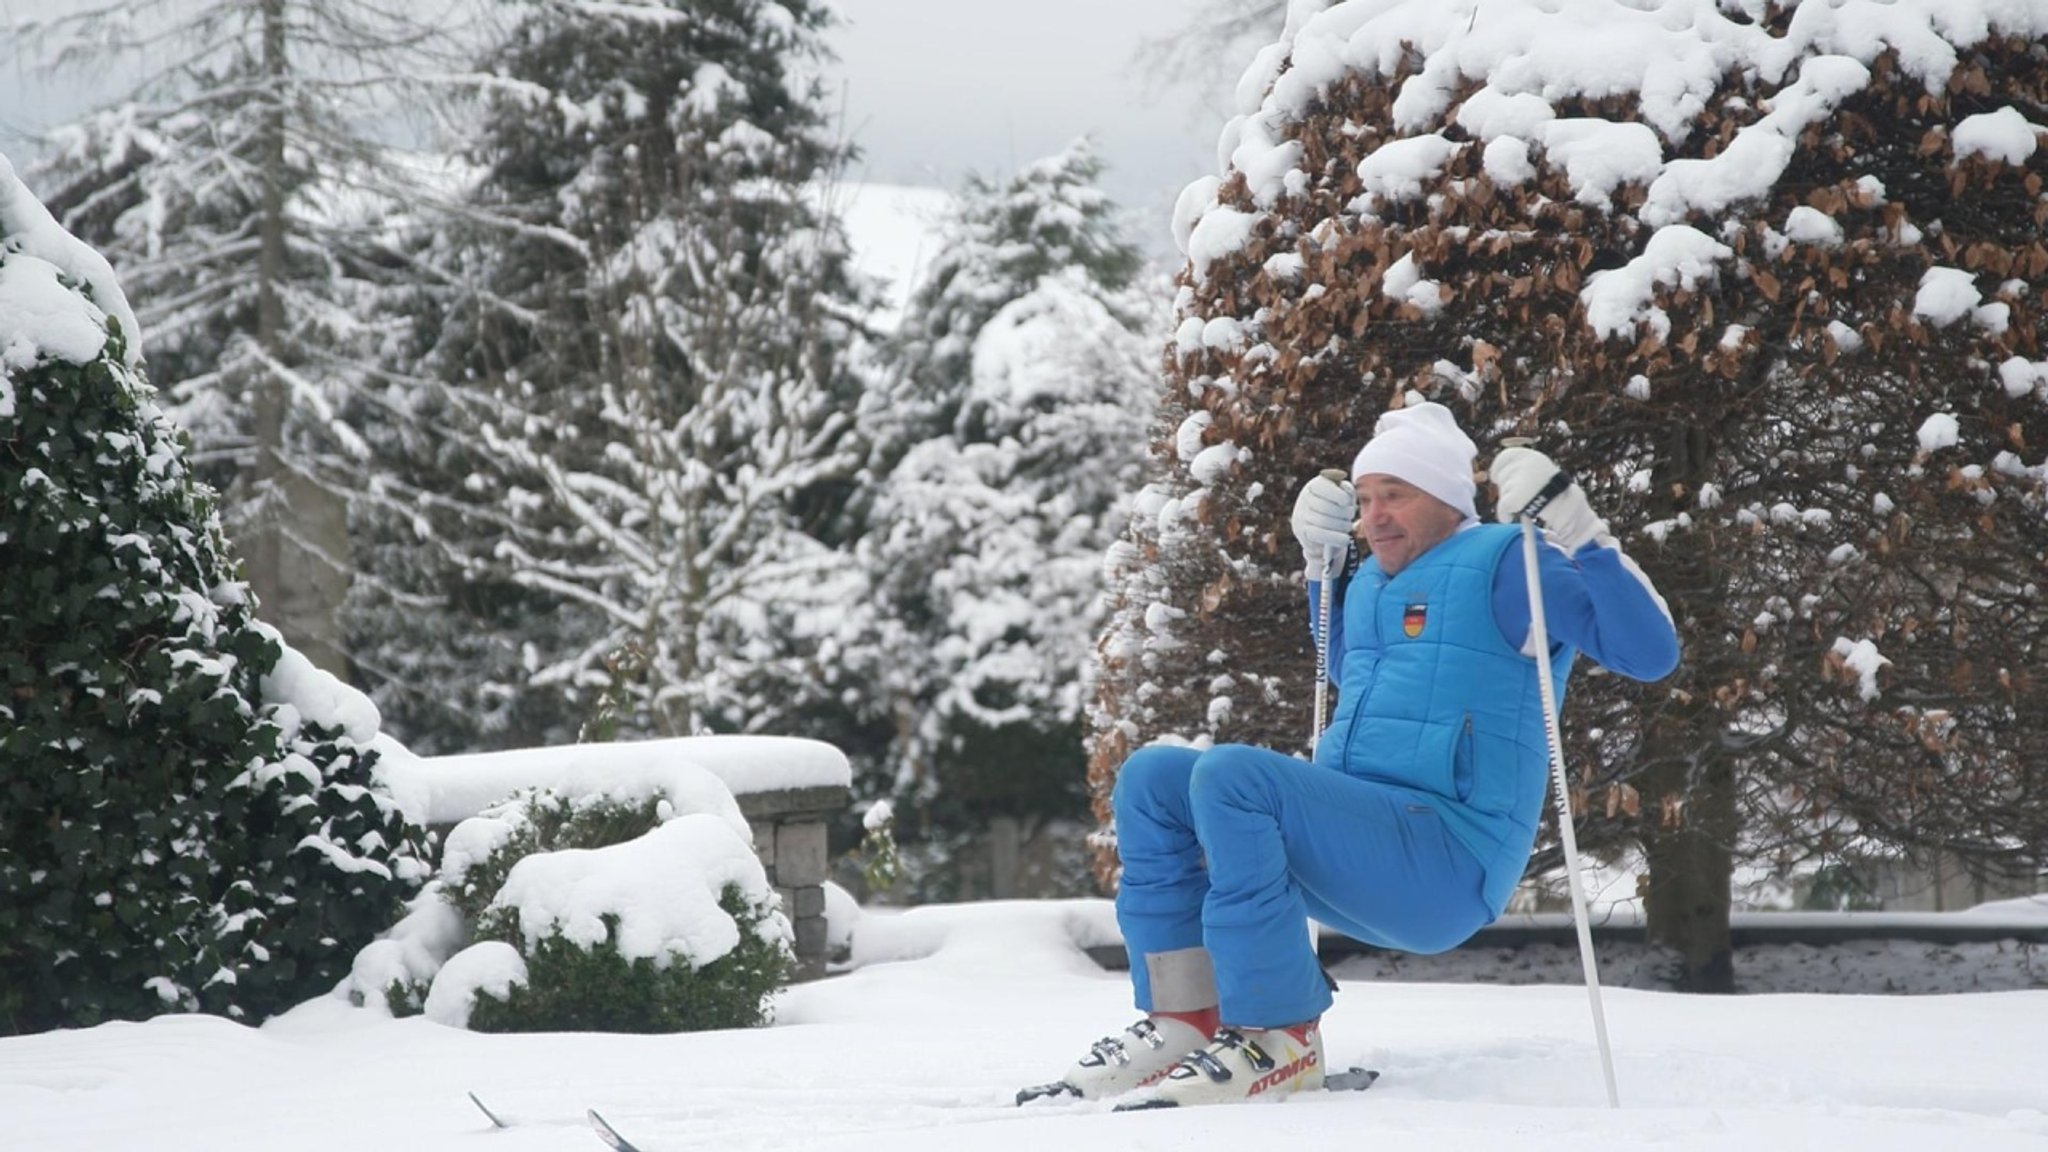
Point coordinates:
[(1595, 600)]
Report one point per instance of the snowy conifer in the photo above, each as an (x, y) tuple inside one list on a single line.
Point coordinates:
[(1760, 274), (1011, 429), (640, 404), (187, 821), (236, 188)]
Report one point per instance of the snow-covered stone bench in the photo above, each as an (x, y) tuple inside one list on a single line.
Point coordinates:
[(788, 790)]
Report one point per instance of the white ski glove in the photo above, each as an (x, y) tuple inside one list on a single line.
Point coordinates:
[(1323, 515), (1521, 474)]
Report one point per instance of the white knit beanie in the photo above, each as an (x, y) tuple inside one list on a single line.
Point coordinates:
[(1423, 445)]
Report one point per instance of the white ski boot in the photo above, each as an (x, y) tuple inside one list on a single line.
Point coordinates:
[(1244, 1064), (1140, 1055), (1182, 1016)]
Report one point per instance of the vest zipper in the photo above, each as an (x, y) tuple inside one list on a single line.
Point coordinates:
[(1462, 767)]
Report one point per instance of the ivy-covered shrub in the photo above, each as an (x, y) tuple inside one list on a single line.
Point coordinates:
[(573, 988), (608, 912), (175, 834)]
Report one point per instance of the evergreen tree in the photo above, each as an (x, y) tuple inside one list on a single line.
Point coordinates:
[(1767, 301), (182, 826), (237, 189), (1011, 426), (637, 405), (1007, 238)]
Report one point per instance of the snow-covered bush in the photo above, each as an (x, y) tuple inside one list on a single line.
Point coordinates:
[(189, 819), (595, 912)]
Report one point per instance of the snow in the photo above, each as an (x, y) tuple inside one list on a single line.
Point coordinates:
[(38, 314), (1490, 113), (1601, 155), (944, 1010), (892, 231), (1862, 658), (1619, 299), (1939, 431), (947, 1010), (1399, 169), (694, 771), (574, 890), (1946, 295), (1212, 462), (316, 695), (1846, 339), (1528, 56), (1404, 281), (1752, 163), (1219, 232), (1507, 162), (488, 966), (1804, 225), (2005, 135), (1016, 360), (2020, 375)]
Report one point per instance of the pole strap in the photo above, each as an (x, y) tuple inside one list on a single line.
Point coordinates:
[(1551, 491)]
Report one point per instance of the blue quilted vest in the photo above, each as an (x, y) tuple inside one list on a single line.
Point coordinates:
[(1434, 700)]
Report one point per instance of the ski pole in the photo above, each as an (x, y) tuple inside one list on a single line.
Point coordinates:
[(1539, 631), (1315, 734)]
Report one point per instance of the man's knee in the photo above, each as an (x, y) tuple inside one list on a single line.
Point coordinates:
[(1155, 771), (1232, 773)]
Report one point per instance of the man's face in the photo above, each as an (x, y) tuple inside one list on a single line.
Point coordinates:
[(1399, 521)]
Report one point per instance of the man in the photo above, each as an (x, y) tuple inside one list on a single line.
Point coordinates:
[(1417, 816)]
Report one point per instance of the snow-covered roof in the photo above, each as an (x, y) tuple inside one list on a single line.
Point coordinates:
[(445, 789)]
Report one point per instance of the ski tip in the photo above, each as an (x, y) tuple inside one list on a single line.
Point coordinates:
[(1351, 1079), (1052, 1091), (496, 1120), (609, 1134)]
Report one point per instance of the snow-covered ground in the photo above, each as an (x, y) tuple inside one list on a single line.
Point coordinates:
[(950, 1008)]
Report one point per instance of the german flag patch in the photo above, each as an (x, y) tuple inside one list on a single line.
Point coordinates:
[(1413, 619)]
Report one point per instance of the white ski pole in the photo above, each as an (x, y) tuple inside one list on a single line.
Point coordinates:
[(1315, 734), (1539, 631)]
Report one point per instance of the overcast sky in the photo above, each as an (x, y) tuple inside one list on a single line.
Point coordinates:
[(932, 89), (935, 88)]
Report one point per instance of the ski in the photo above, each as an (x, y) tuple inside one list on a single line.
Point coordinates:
[(1353, 1079), (609, 1134), (496, 1121)]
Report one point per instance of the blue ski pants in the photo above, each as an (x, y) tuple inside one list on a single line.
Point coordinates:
[(1235, 847)]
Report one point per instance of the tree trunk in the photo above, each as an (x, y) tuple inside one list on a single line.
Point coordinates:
[(294, 538), (1691, 819), (1688, 783), (262, 542), (1005, 857)]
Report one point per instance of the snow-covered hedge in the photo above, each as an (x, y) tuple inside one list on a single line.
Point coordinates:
[(190, 818), (612, 909)]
